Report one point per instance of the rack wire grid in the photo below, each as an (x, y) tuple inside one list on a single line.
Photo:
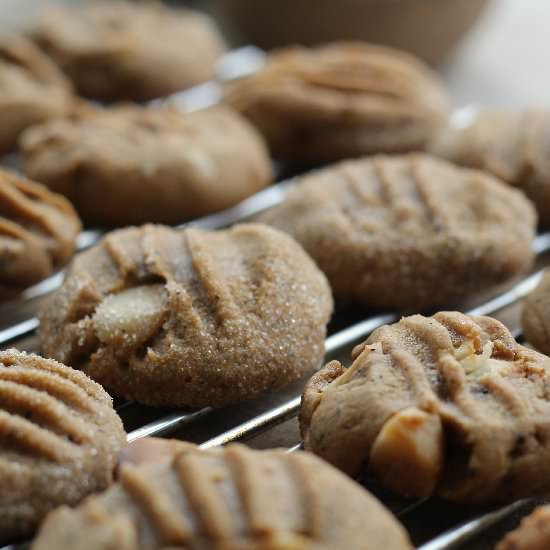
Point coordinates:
[(433, 524)]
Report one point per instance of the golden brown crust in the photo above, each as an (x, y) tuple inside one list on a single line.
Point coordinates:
[(408, 231), (449, 405), (123, 51), (515, 147), (231, 499), (32, 89), (536, 316), (190, 317), (341, 100), (38, 230), (532, 534), (59, 439), (130, 165)]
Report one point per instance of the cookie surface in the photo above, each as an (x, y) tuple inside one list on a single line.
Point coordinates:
[(113, 50), (532, 534), (130, 165), (228, 498), (38, 230), (408, 231), (190, 317), (32, 89), (536, 316), (341, 100), (449, 405), (59, 439), (515, 147)]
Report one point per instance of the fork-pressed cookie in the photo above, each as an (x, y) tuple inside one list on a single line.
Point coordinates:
[(38, 231), (128, 51), (32, 89), (189, 317), (227, 498), (409, 230), (449, 405), (132, 164), (341, 100), (514, 146), (59, 440)]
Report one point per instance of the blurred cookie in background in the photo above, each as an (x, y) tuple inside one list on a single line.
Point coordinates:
[(341, 100), (132, 164), (129, 51)]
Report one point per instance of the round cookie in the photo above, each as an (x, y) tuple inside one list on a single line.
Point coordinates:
[(341, 100), (532, 534), (32, 89), (123, 51), (515, 147), (536, 316), (449, 405), (38, 230), (232, 497), (178, 318), (131, 165), (59, 440), (408, 231)]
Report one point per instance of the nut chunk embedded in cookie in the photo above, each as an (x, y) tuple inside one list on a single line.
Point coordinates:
[(189, 317), (59, 440), (232, 497), (38, 231), (408, 231), (449, 405)]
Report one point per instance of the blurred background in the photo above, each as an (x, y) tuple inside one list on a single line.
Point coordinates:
[(489, 51)]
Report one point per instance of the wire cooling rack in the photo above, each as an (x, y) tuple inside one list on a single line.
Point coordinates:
[(210, 427)]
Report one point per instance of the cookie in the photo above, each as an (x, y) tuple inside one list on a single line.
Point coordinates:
[(532, 534), (124, 51), (408, 231), (513, 146), (195, 318), (59, 440), (38, 230), (227, 498), (341, 100), (536, 315), (449, 405), (32, 89), (131, 165)]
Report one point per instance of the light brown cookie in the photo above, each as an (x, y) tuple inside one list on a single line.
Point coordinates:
[(515, 147), (408, 231), (128, 51), (536, 316), (188, 317), (32, 89), (449, 405), (341, 100), (59, 440), (227, 498), (131, 164), (532, 534), (38, 230)]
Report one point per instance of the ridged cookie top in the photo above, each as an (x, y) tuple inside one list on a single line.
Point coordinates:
[(230, 498), (190, 317), (514, 146), (32, 89), (449, 405), (408, 230), (153, 164), (59, 439), (38, 230), (360, 98), (111, 50)]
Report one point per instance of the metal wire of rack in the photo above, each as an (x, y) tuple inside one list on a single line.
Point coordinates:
[(168, 423)]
